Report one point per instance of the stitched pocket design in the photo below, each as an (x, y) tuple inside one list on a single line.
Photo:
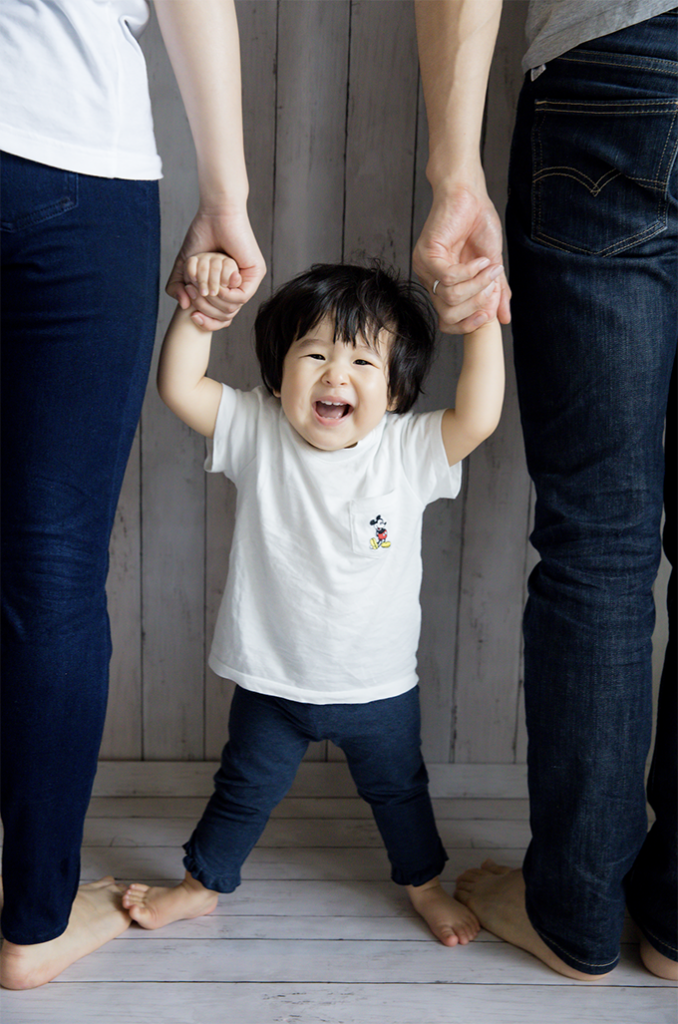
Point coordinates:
[(39, 194), (600, 179)]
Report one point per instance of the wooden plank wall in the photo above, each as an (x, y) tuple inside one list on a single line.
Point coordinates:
[(336, 150)]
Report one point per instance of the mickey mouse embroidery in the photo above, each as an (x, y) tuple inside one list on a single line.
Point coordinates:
[(379, 540)]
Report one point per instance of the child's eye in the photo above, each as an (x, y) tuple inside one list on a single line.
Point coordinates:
[(315, 355), (363, 362)]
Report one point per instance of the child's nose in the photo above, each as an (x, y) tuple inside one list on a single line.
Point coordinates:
[(335, 373)]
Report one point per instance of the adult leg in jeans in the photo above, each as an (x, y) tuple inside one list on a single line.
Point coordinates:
[(79, 265), (592, 245), (651, 885)]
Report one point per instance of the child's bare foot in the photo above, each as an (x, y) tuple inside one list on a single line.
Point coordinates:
[(656, 962), (450, 921), (96, 917), (155, 906), (497, 896)]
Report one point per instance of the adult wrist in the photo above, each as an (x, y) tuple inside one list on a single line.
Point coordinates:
[(230, 203), (451, 179), (223, 186)]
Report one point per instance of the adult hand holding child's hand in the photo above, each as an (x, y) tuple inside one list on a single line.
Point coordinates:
[(213, 280), (217, 232)]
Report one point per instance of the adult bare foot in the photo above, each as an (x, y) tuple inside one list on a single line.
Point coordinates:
[(497, 896), (96, 918), (451, 922), (656, 962), (155, 906)]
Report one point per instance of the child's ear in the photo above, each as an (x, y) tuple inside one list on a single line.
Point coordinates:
[(392, 405), (276, 393)]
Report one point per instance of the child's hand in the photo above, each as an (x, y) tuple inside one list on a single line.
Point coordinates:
[(214, 274)]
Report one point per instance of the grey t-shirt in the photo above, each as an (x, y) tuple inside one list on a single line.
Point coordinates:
[(555, 26)]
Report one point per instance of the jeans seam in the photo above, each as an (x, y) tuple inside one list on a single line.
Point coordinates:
[(627, 243), (661, 941), (669, 162), (605, 106), (595, 187), (585, 963), (666, 67)]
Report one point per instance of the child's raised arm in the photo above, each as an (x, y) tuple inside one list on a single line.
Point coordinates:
[(185, 353), (480, 393)]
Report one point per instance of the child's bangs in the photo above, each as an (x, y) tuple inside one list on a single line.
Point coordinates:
[(354, 316), (353, 321)]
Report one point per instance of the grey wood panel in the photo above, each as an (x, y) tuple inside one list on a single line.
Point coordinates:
[(531, 559), (660, 636), (122, 734), (182, 778), (174, 1002), (442, 534), (233, 360), (497, 503), (351, 962), (311, 135), (191, 807), (382, 116), (173, 488)]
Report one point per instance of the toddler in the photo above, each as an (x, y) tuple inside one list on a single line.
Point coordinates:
[(319, 623)]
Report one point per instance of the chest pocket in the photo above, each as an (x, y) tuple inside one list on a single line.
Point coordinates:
[(374, 526)]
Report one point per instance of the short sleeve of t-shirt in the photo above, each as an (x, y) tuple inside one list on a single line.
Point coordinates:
[(423, 456), (235, 433)]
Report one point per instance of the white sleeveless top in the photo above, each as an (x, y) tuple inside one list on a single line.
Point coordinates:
[(74, 87)]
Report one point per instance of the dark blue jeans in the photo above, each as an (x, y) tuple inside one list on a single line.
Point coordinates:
[(79, 303), (268, 737), (593, 250)]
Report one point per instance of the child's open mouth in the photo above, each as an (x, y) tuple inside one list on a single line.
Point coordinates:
[(332, 410)]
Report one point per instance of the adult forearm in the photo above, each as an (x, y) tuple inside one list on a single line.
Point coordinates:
[(456, 41), (459, 251), (201, 38)]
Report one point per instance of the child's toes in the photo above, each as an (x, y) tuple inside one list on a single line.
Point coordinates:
[(134, 895), (467, 932), (448, 935)]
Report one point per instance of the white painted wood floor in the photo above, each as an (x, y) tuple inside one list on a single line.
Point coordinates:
[(317, 933)]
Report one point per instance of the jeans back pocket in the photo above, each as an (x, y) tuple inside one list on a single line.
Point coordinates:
[(601, 171), (33, 192)]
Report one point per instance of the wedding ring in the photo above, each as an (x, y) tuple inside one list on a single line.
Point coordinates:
[(435, 285)]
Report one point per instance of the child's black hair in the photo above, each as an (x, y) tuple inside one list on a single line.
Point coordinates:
[(363, 300)]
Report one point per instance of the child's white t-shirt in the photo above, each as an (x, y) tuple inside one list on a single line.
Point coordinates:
[(322, 598)]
